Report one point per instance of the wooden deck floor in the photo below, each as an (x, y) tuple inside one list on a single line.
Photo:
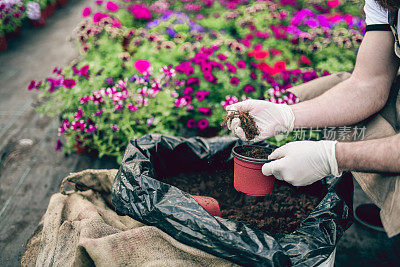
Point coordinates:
[(29, 175)]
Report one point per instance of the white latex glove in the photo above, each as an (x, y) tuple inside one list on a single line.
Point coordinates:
[(303, 162), (271, 119)]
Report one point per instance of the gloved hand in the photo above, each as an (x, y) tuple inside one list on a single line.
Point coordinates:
[(302, 163), (271, 119)]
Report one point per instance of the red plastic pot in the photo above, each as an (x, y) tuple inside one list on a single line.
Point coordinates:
[(12, 35), (3, 43), (210, 204), (248, 177)]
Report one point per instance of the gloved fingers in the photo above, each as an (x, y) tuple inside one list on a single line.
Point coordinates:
[(278, 153), (272, 168), (238, 132), (233, 124)]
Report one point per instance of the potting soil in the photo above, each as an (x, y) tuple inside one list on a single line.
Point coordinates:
[(278, 212), (253, 152), (247, 123)]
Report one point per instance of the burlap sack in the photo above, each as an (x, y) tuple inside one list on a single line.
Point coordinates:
[(81, 228), (383, 189)]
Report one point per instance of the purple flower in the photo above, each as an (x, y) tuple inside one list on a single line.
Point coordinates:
[(241, 64), (188, 90), (221, 57), (207, 67), (69, 83), (209, 77), (91, 129), (234, 81), (201, 95), (190, 123), (59, 145), (231, 68), (253, 76), (192, 80), (171, 32), (205, 111), (115, 128), (78, 114), (109, 81), (202, 124), (248, 88)]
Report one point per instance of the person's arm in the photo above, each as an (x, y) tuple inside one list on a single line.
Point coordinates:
[(360, 96), (378, 155)]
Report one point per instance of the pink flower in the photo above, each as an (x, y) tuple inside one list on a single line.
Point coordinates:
[(193, 80), (248, 88), (98, 113), (205, 111), (201, 95), (84, 71), (150, 121), (139, 11), (79, 114), (116, 23), (115, 128), (99, 2), (111, 6), (231, 68), (305, 60), (202, 124), (188, 90), (207, 67), (229, 100), (69, 83), (132, 107), (142, 65), (333, 3), (86, 11), (190, 123), (209, 77), (31, 85), (221, 57), (99, 16), (91, 129), (234, 81), (241, 64)]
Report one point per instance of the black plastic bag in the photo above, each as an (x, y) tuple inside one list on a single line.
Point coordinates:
[(137, 193)]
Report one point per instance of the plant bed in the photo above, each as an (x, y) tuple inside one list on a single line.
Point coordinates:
[(278, 212), (14, 34)]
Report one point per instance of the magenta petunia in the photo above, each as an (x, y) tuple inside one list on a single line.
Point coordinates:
[(234, 81), (201, 95), (188, 90), (32, 85), (86, 12), (139, 11), (248, 88), (99, 2), (111, 6), (190, 123), (98, 16), (209, 77), (115, 128), (79, 114), (142, 65), (231, 67), (69, 83), (221, 57), (253, 76), (116, 23), (202, 124), (205, 111), (241, 64), (193, 80), (207, 67)]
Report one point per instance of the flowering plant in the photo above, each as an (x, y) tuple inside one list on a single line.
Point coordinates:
[(11, 15)]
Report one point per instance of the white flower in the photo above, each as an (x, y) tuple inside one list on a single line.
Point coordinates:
[(33, 10)]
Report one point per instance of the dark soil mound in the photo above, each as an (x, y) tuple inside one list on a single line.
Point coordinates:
[(279, 212), (247, 123)]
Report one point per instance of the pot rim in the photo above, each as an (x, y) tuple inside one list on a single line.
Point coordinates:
[(249, 159)]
